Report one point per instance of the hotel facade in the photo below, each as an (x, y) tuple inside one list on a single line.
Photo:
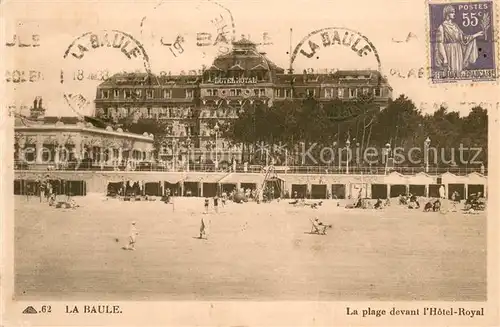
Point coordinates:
[(192, 105)]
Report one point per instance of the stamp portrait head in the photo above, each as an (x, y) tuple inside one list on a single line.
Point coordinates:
[(448, 12)]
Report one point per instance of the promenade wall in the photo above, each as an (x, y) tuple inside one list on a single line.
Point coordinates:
[(97, 181)]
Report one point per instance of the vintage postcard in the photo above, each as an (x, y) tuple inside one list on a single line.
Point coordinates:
[(250, 163)]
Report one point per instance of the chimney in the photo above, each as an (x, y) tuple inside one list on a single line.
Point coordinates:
[(37, 111)]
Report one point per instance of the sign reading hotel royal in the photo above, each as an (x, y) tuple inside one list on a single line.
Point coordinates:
[(250, 163), (235, 80)]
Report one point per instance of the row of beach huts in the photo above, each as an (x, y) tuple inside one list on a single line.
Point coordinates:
[(205, 184)]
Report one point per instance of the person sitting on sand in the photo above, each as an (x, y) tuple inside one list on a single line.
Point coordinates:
[(52, 199), (428, 207), (387, 202), (73, 204), (472, 199), (414, 204), (436, 206), (167, 198), (378, 204), (318, 227)]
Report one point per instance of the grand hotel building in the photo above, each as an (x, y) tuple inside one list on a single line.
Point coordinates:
[(192, 104)]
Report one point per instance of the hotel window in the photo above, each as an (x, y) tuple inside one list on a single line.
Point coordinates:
[(238, 92), (167, 94), (277, 93), (328, 93), (341, 92), (262, 92), (149, 112), (189, 94), (353, 93), (127, 94), (104, 94), (232, 92), (378, 92), (288, 93), (310, 93), (256, 92), (116, 94), (366, 91), (149, 94), (209, 92)]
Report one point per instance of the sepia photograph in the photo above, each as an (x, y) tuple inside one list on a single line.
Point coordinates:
[(201, 152)]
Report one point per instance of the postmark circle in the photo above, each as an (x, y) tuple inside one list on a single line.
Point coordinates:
[(330, 37), (356, 48), (96, 57), (209, 35)]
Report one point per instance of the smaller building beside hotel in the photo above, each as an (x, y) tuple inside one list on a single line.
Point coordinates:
[(43, 142)]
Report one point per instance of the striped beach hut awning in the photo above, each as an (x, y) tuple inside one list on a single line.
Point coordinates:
[(421, 179), (396, 178), (235, 178), (476, 178), (204, 177), (173, 178)]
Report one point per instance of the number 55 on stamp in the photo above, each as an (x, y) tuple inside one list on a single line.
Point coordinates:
[(462, 43)]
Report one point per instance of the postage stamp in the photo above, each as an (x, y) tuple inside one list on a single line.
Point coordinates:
[(249, 163), (462, 41)]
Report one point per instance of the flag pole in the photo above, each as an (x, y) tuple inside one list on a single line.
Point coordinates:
[(290, 70)]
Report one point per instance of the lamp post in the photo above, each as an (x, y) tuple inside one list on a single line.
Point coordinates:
[(358, 161), (387, 153), (188, 146), (347, 144), (174, 154), (216, 130), (427, 142)]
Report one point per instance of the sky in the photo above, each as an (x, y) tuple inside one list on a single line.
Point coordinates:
[(386, 24)]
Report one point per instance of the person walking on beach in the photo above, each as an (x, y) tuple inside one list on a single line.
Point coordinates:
[(444, 203), (203, 229), (132, 237), (207, 202), (223, 199), (216, 204), (455, 198)]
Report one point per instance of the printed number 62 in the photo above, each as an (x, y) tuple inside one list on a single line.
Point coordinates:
[(472, 21)]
